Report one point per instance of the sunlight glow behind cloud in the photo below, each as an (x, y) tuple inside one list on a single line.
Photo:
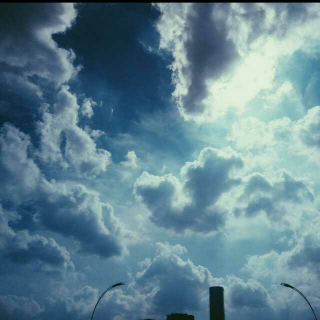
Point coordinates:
[(169, 146)]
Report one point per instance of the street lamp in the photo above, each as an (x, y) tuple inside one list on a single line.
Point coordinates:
[(295, 289), (114, 285)]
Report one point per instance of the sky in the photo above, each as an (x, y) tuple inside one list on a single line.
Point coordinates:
[(169, 146)]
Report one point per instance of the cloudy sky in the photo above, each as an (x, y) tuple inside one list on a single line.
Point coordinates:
[(170, 146)]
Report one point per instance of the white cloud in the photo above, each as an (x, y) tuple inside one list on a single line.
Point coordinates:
[(167, 249), (283, 91), (19, 173), (262, 195), (249, 294), (86, 108), (308, 128), (20, 84), (82, 301), (300, 137), (63, 141), (27, 43), (71, 210), (225, 54), (179, 285), (36, 251), (77, 212), (191, 203), (131, 160), (182, 286), (298, 265)]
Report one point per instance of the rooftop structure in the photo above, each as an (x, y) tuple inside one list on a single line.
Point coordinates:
[(180, 316)]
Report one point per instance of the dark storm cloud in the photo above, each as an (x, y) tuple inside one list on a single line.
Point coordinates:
[(208, 51), (191, 204), (208, 40), (26, 45), (32, 65)]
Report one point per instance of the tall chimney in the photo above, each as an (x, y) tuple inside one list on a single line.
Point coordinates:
[(216, 303)]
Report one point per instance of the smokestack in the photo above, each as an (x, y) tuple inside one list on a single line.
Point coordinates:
[(216, 303)]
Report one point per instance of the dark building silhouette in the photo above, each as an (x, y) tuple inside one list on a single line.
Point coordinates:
[(180, 316), (216, 303)]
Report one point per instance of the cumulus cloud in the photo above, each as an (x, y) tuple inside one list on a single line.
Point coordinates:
[(121, 305), (82, 300), (27, 48), (300, 137), (151, 293), (71, 210), (184, 31), (166, 249), (309, 128), (86, 108), (262, 195), (131, 160), (19, 173), (45, 254), (76, 212), (306, 254), (20, 85), (180, 286), (214, 45), (19, 307), (191, 203), (282, 92), (64, 142), (166, 284), (22, 248), (78, 304), (247, 294), (298, 264)]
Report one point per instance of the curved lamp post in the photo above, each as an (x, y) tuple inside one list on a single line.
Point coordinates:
[(295, 289), (114, 285)]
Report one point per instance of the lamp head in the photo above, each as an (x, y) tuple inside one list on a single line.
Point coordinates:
[(287, 285), (118, 284)]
